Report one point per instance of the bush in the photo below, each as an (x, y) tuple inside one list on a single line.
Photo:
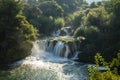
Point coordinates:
[(16, 34), (112, 69), (59, 22)]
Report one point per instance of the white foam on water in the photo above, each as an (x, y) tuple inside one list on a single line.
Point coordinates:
[(62, 68)]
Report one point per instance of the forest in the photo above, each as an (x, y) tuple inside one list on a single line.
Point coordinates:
[(23, 22)]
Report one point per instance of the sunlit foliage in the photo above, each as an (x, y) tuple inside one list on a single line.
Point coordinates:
[(112, 71)]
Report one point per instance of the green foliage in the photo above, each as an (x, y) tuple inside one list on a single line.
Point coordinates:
[(16, 33), (69, 19), (46, 25), (51, 8), (115, 64), (107, 39), (113, 40), (47, 16), (59, 22), (14, 8), (112, 69), (88, 46), (78, 20), (69, 6), (49, 24), (98, 17), (32, 13), (86, 32), (39, 12), (115, 7), (91, 35)]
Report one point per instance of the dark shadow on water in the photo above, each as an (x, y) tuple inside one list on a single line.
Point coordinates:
[(8, 67)]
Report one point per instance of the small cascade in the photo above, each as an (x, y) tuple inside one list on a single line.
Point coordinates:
[(64, 45), (75, 55), (58, 48), (67, 51), (50, 47), (36, 50), (43, 44), (56, 33), (66, 31)]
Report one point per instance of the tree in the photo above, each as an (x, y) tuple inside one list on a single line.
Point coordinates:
[(51, 8), (70, 6), (16, 33), (32, 13), (114, 31)]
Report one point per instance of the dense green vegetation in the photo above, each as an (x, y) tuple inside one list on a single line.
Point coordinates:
[(99, 22), (100, 26), (16, 33), (45, 16), (50, 15), (111, 45)]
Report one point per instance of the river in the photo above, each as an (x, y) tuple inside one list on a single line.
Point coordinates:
[(48, 61)]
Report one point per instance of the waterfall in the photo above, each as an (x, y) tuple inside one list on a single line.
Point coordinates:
[(36, 48), (66, 31), (58, 48), (48, 67), (43, 44), (56, 33), (75, 55), (67, 51), (50, 47)]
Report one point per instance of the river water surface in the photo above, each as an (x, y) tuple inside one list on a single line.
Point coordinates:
[(42, 65)]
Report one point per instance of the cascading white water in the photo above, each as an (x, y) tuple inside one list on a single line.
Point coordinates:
[(75, 55), (61, 48), (42, 65), (51, 67), (56, 33), (66, 31), (43, 44), (50, 47), (49, 61), (67, 51), (58, 48)]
